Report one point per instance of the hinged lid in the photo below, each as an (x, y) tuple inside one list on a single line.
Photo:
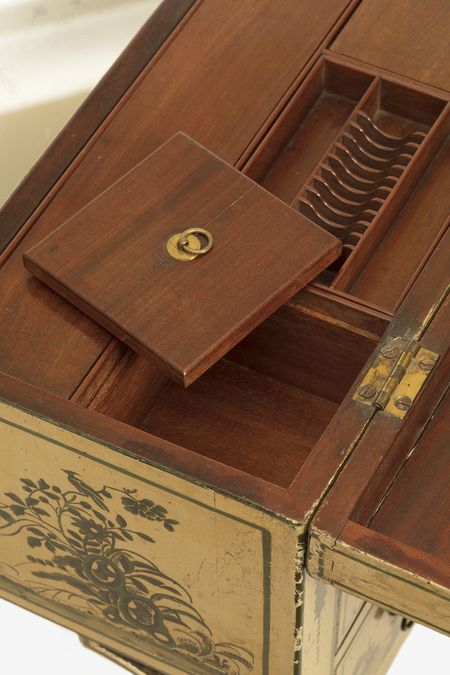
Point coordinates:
[(182, 257), (383, 531)]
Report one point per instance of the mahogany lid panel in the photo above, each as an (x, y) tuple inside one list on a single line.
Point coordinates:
[(404, 37), (110, 259), (219, 76)]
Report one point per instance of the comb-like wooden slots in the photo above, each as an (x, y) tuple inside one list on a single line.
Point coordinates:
[(307, 126), (362, 170), (415, 125), (350, 151)]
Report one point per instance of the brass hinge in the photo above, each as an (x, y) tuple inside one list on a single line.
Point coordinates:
[(397, 374)]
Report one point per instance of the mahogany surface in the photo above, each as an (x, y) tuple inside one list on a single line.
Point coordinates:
[(331, 168), (110, 259), (409, 38), (390, 499), (234, 412), (89, 116), (74, 357), (372, 456), (410, 506), (172, 93), (307, 126), (420, 221), (70, 355)]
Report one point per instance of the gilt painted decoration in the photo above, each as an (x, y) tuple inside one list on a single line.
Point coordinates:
[(163, 570), (91, 565)]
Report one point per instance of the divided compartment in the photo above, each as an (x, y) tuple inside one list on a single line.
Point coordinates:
[(310, 122), (350, 150), (369, 172), (232, 413)]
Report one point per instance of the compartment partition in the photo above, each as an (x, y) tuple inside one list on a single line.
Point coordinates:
[(349, 150), (310, 122), (374, 139), (420, 223), (416, 133)]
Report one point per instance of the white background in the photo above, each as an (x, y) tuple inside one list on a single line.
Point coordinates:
[(52, 52), (30, 645)]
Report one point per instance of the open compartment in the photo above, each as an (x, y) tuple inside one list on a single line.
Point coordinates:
[(406, 244), (392, 532), (367, 175), (232, 413), (368, 154), (385, 151), (310, 122)]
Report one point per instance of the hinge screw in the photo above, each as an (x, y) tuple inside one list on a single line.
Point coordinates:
[(367, 390), (403, 403), (389, 351), (427, 363)]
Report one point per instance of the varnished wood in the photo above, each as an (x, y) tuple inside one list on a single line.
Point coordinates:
[(233, 412), (307, 126), (409, 38), (110, 261), (89, 116), (300, 349), (413, 317), (293, 500), (324, 164), (398, 465), (163, 100), (228, 404), (408, 507), (419, 222), (397, 198)]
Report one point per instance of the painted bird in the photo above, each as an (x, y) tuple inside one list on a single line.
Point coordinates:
[(84, 489)]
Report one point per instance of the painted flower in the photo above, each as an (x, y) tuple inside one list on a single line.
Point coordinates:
[(144, 507), (85, 557), (90, 529), (103, 572), (137, 610)]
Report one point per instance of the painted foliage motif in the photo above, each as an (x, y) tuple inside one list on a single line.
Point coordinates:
[(80, 553)]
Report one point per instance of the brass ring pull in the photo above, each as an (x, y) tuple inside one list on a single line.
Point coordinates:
[(184, 241), (188, 245)]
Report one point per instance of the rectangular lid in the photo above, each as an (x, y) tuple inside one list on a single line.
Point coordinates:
[(127, 261)]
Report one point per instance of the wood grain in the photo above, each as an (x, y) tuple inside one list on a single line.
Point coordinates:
[(392, 265), (211, 95), (89, 116), (303, 350), (389, 501), (407, 38), (109, 260), (254, 55), (232, 412), (307, 126), (410, 506)]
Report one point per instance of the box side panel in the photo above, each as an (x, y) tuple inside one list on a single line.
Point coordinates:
[(164, 571), (343, 635)]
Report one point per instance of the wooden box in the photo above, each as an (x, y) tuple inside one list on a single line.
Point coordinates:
[(285, 512)]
